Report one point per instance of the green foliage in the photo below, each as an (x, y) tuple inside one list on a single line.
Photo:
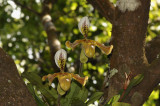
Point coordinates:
[(153, 27), (135, 81), (94, 97), (76, 93), (38, 100), (34, 79), (121, 104), (113, 100), (153, 99), (25, 40)]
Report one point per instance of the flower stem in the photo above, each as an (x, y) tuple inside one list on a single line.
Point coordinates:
[(58, 100), (80, 69)]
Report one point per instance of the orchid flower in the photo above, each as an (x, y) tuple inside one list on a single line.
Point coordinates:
[(64, 78), (88, 46)]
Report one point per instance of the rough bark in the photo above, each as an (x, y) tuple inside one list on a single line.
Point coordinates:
[(128, 33), (13, 91), (105, 7), (128, 38), (153, 49)]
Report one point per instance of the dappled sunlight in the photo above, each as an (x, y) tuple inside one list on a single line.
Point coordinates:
[(24, 38)]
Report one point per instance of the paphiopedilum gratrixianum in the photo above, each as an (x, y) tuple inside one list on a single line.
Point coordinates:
[(64, 78), (88, 46)]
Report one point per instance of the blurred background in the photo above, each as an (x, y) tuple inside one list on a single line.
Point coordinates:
[(23, 37)]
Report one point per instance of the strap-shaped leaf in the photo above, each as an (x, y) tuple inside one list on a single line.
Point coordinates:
[(94, 97), (76, 92), (38, 101), (135, 81), (113, 100), (121, 104), (77, 102), (34, 79)]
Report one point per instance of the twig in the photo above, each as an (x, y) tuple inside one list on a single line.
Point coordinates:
[(105, 7), (58, 100), (80, 69), (26, 7)]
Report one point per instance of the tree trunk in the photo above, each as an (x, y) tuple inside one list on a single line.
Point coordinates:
[(128, 38), (129, 31), (13, 91)]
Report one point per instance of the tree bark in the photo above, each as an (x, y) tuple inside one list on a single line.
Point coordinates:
[(128, 33), (128, 38), (13, 91), (153, 49)]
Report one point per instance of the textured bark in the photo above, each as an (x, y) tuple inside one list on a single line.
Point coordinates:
[(105, 7), (128, 38), (128, 33), (13, 91), (153, 49)]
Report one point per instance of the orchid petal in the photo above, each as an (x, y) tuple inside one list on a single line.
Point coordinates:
[(84, 25), (83, 57), (81, 80), (89, 49), (65, 81), (50, 77), (60, 90), (60, 58), (74, 44)]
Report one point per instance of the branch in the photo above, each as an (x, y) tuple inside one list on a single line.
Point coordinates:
[(47, 6), (50, 29), (155, 67), (105, 7), (153, 49), (26, 7), (13, 91)]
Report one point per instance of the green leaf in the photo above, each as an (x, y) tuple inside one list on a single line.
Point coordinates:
[(34, 79), (121, 104), (135, 81), (38, 101), (114, 99), (83, 94), (77, 102), (94, 97), (76, 92)]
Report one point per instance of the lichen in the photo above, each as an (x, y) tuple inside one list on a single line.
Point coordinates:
[(130, 5), (113, 72)]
